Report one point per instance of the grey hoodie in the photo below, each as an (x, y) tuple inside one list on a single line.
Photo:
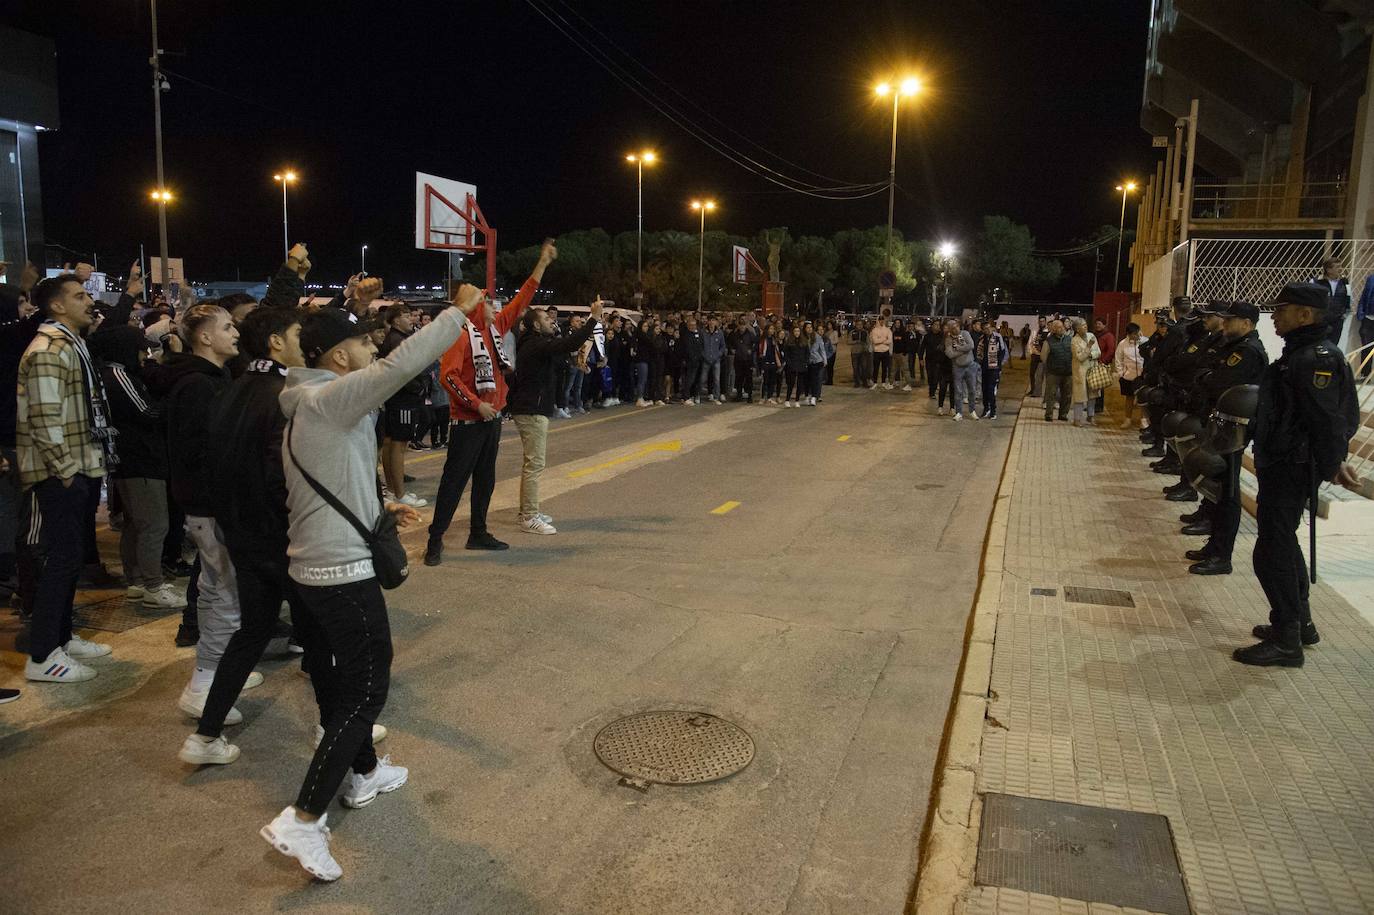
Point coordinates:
[(960, 350), (333, 437)]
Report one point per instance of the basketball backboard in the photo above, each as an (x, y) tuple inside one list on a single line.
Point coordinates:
[(445, 212)]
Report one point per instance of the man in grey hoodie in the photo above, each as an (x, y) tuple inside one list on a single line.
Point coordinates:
[(712, 351), (330, 434), (959, 349)]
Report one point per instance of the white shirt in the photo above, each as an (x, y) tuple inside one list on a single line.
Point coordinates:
[(1128, 361)]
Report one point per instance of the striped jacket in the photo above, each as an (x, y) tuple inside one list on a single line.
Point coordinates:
[(53, 431)]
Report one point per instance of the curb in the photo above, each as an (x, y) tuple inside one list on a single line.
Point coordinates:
[(949, 846)]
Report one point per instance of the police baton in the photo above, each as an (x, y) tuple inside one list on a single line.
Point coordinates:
[(1312, 518)]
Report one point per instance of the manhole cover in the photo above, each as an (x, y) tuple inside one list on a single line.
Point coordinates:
[(674, 748), (1104, 597), (1044, 592)]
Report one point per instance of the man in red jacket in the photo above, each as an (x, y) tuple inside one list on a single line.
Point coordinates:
[(1106, 342), (472, 373)]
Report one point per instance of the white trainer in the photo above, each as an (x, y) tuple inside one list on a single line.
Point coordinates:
[(201, 751), (547, 519), (941, 411), (82, 650), (135, 592), (57, 667), (906, 387), (413, 500), (361, 790), (192, 704), (308, 843), (958, 417), (378, 735), (537, 525), (164, 598), (254, 679)]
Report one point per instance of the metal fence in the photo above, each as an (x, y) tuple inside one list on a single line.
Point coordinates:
[(1268, 201), (1255, 269)]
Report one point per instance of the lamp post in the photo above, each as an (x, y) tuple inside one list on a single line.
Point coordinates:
[(284, 178), (647, 157), (363, 267), (702, 206), (909, 86), (1125, 188), (947, 251), (160, 86)]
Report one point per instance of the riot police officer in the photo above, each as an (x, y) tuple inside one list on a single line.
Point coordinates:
[(1307, 414), (1180, 375), (1170, 338), (1240, 360)]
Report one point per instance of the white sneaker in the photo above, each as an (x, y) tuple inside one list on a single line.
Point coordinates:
[(378, 735), (547, 519), (135, 592), (254, 679), (192, 704), (164, 598), (689, 403), (611, 402), (873, 386), (57, 667), (811, 401), (308, 843), (361, 790), (658, 403), (958, 417), (82, 650), (537, 525), (906, 387), (641, 402), (198, 751), (413, 500), (940, 411), (787, 403), (719, 401), (975, 415), (888, 385)]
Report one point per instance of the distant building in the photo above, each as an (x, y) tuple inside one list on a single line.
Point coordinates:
[(220, 290), (28, 105)]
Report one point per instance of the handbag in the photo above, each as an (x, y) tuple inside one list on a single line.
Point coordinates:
[(1098, 376), (389, 561)]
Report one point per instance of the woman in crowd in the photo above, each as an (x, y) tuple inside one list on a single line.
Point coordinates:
[(901, 342), (816, 360), (1129, 364), (796, 354), (938, 369), (1085, 352), (770, 361), (991, 354), (672, 361)]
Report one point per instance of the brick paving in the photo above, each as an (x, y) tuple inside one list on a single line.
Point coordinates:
[(1266, 775)]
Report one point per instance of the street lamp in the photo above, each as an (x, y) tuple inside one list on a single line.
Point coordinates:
[(947, 251), (647, 157), (363, 267), (284, 178), (1125, 188), (702, 206), (908, 86)]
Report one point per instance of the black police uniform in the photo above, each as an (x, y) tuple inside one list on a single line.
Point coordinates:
[(1159, 353), (1307, 414), (1239, 361), (1180, 374)]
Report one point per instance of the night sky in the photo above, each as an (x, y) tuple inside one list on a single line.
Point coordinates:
[(1032, 112)]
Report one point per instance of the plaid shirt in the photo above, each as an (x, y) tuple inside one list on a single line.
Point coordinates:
[(53, 430)]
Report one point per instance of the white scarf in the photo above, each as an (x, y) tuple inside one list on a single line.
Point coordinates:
[(97, 407), (483, 370)]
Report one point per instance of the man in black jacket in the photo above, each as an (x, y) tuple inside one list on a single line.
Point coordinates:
[(531, 400), (692, 348), (1306, 415), (196, 380)]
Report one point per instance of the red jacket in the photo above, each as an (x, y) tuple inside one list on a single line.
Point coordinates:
[(1107, 344), (455, 368)]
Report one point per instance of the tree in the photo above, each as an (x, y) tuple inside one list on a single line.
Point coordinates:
[(1003, 258)]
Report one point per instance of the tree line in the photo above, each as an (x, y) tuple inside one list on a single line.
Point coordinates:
[(841, 270)]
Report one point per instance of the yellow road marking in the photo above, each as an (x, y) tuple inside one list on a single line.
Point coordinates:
[(675, 445), (727, 507), (842, 438)]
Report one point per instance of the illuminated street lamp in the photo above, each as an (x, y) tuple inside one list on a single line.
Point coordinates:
[(947, 251), (284, 178), (647, 157), (1125, 188), (908, 86), (702, 206)]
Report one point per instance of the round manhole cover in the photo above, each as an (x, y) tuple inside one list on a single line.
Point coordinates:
[(674, 748)]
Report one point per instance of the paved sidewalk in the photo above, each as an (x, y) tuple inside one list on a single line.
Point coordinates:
[(1266, 775)]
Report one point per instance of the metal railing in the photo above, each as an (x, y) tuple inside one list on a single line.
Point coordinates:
[(1361, 362), (1255, 269), (1268, 201)]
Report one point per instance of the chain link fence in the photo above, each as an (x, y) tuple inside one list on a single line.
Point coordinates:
[(1255, 269)]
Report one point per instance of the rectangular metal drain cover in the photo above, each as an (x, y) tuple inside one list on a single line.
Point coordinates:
[(116, 614), (1094, 854), (1044, 592), (1106, 597)]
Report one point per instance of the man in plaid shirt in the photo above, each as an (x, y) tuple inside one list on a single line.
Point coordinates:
[(60, 439)]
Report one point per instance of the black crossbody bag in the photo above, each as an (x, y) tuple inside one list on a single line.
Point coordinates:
[(389, 561)]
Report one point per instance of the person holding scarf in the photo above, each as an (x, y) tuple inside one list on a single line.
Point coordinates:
[(472, 372), (64, 444), (992, 353)]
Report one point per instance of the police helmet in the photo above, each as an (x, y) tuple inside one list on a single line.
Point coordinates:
[(1229, 428), (1142, 393), (1206, 471), (1169, 425)]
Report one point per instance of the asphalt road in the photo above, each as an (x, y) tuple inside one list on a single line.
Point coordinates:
[(806, 574)]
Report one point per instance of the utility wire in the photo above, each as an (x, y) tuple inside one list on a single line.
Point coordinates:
[(619, 72)]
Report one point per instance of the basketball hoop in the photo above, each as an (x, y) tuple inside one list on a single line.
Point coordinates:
[(447, 218)]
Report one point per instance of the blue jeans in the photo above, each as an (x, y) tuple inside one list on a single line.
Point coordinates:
[(711, 371), (572, 395), (641, 379), (965, 386)]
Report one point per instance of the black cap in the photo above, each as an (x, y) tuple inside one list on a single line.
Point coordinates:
[(1242, 310), (1310, 295), (327, 328), (1213, 307)]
